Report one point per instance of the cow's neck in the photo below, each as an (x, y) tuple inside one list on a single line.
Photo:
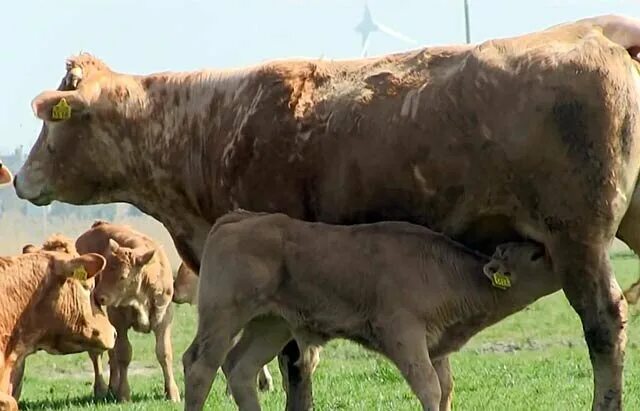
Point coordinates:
[(178, 149)]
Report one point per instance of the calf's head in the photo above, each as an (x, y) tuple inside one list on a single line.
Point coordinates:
[(122, 274), (185, 286), (83, 144), (72, 320), (517, 261), (56, 242)]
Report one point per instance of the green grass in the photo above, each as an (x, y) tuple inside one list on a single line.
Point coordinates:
[(534, 360)]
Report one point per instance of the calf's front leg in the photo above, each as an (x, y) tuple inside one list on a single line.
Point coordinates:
[(404, 342), (164, 354), (100, 388)]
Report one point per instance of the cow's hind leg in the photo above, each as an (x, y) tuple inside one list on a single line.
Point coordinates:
[(100, 388), (593, 292), (164, 354), (405, 344), (260, 342), (443, 369)]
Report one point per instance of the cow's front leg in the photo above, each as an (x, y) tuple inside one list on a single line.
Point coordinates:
[(594, 293)]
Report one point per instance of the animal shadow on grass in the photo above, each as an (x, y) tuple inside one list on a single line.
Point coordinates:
[(85, 401)]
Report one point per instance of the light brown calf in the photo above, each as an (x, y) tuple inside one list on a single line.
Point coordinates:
[(136, 286), (46, 307), (185, 290), (63, 244), (402, 290)]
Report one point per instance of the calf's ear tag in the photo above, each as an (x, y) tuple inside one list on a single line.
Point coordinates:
[(80, 273), (61, 111), (500, 281)]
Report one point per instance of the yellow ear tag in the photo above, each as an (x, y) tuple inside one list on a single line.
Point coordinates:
[(80, 273), (61, 111), (500, 281)]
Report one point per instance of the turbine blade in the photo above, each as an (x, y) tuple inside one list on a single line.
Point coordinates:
[(391, 32)]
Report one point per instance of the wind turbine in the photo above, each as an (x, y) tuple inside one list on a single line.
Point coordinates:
[(467, 22), (368, 25)]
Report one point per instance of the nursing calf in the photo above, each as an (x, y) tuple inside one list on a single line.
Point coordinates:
[(137, 287), (396, 288), (46, 305), (185, 290)]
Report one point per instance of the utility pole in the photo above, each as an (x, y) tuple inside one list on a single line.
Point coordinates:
[(466, 21)]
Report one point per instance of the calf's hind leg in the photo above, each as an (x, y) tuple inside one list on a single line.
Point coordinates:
[(405, 344), (443, 369), (217, 328), (594, 293), (260, 342)]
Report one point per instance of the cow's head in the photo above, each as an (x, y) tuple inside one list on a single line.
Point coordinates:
[(185, 286), (122, 273), (66, 310), (5, 175), (78, 155), (518, 260)]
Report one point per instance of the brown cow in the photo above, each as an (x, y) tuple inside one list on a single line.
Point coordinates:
[(63, 244), (5, 175), (46, 305), (396, 288), (525, 137), (136, 286), (185, 290)]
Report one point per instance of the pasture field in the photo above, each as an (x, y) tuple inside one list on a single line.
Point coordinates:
[(534, 360)]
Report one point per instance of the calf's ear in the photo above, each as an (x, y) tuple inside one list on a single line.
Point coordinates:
[(5, 175), (143, 256), (58, 105), (82, 268)]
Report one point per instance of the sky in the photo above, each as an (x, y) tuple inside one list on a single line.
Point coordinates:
[(146, 36)]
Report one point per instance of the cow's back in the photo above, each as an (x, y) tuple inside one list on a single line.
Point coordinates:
[(518, 137)]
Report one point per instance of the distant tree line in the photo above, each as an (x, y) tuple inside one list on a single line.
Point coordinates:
[(10, 203)]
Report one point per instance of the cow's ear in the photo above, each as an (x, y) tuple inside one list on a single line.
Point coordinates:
[(58, 105), (29, 248), (83, 267), (143, 256)]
